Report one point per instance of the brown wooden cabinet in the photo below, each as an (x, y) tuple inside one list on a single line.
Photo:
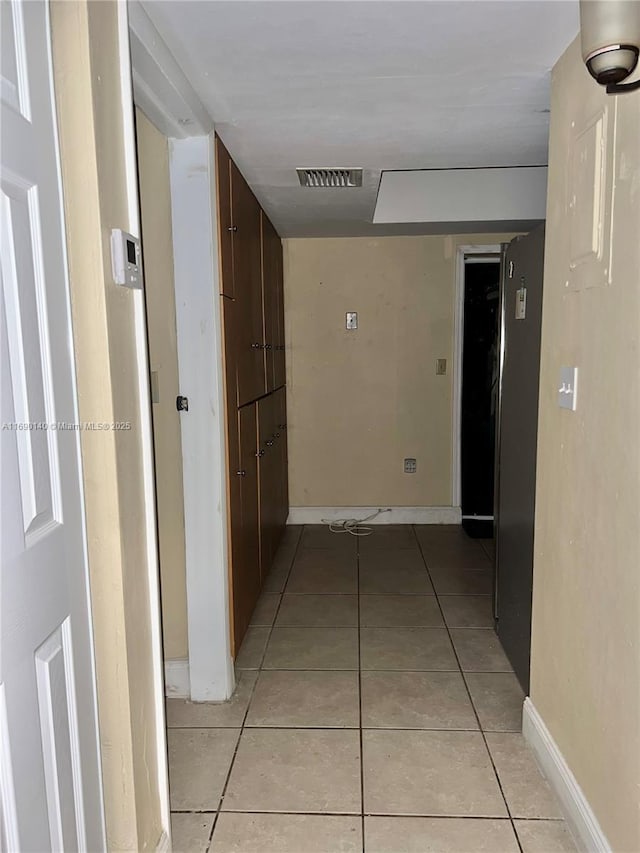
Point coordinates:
[(253, 316)]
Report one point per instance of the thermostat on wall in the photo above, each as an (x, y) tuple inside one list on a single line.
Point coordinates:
[(125, 259)]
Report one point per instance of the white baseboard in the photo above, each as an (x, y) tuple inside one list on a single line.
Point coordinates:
[(163, 846), (396, 515), (579, 815), (176, 679)]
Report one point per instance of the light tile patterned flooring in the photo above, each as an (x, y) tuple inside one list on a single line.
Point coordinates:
[(375, 711)]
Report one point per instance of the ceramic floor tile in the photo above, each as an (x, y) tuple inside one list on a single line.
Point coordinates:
[(312, 648), (252, 649), (319, 536), (459, 581), (438, 835), (479, 650), (296, 770), (276, 580), (319, 572), (287, 833), (387, 611), (406, 649), (416, 700), (460, 554), (545, 836), (291, 535), (388, 536), (313, 699), (394, 572), (199, 761), (429, 773), (190, 832), (392, 559), (265, 610), (525, 788), (317, 611), (467, 611), (440, 533), (201, 715), (498, 698)]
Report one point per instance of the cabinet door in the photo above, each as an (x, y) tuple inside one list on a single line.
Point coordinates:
[(267, 465), (225, 219), (244, 531), (279, 355), (270, 248), (247, 276), (282, 469)]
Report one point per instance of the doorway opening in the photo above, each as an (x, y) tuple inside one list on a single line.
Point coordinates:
[(479, 372)]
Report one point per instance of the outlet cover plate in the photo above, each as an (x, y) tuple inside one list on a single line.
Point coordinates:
[(410, 465)]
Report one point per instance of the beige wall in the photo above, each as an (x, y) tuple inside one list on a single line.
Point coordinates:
[(87, 75), (585, 669), (361, 401), (157, 246)]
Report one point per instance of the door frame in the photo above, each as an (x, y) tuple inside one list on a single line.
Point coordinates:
[(146, 427), (477, 253), (164, 94)]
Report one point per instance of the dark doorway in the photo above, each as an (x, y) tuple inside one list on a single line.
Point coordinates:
[(479, 392)]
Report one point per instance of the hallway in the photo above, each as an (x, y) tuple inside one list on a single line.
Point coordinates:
[(375, 710)]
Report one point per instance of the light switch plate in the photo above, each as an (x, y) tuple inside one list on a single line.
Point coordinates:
[(568, 388), (352, 320), (441, 366)]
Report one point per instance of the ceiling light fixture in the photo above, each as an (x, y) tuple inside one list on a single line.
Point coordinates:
[(610, 35)]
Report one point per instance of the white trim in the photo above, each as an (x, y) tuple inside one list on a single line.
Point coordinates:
[(582, 821), (160, 87), (177, 684), (164, 845), (146, 434), (396, 514), (200, 368), (458, 338)]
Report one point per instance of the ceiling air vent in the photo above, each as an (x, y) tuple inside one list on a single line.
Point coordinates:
[(330, 177)]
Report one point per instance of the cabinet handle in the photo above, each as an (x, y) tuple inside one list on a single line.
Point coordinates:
[(269, 442), (256, 346), (232, 228), (268, 347), (260, 454), (282, 426), (241, 473), (276, 435)]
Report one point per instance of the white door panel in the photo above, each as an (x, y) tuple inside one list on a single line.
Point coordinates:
[(50, 787)]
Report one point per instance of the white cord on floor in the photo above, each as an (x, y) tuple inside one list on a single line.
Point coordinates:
[(353, 525)]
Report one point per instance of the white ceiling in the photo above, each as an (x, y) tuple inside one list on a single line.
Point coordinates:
[(382, 84)]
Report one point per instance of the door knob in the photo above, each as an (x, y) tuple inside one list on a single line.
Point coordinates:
[(241, 473), (232, 228)]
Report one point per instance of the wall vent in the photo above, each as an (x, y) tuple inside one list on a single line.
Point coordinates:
[(330, 177)]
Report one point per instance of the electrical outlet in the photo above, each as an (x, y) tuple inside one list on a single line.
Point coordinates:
[(410, 466), (352, 320), (441, 366)]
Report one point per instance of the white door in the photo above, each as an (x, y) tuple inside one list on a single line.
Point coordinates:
[(50, 785)]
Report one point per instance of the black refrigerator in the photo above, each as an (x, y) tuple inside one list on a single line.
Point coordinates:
[(521, 321)]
